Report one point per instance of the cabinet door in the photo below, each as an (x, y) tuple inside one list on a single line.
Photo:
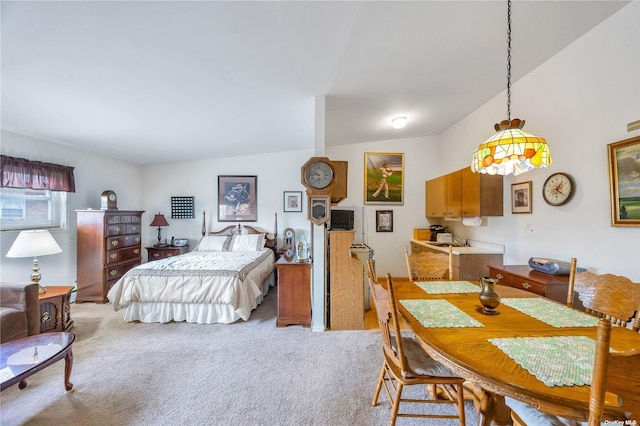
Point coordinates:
[(454, 194), (436, 197), (471, 193)]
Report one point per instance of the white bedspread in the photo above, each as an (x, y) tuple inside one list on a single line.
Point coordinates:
[(234, 278)]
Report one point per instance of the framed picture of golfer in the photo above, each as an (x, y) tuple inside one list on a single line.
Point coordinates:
[(383, 178)]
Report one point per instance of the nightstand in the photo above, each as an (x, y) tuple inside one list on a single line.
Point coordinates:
[(156, 253), (294, 292), (55, 311)]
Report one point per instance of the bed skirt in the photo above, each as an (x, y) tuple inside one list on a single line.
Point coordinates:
[(200, 313)]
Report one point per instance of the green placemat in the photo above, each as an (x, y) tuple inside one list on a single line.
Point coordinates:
[(554, 314), (438, 314), (442, 287), (555, 361)]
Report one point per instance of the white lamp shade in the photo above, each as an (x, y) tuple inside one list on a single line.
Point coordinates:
[(38, 242)]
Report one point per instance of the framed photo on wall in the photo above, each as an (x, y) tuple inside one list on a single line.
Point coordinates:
[(292, 201), (521, 197), (237, 198), (383, 178), (624, 178), (384, 220)]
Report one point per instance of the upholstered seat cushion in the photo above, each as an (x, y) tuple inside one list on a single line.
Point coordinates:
[(421, 363), (534, 417), (13, 323)]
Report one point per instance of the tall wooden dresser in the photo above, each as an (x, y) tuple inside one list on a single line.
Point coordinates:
[(108, 246)]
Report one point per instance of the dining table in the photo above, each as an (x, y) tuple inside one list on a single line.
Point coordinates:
[(533, 349)]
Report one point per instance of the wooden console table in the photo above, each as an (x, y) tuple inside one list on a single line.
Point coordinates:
[(55, 309), (523, 277)]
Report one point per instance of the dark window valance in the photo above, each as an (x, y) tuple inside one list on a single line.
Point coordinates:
[(23, 173)]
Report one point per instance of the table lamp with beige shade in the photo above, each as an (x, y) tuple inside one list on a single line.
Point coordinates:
[(34, 243)]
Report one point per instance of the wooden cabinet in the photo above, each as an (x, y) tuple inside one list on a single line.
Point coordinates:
[(523, 277), (339, 191), (345, 283), (482, 194), (55, 310), (294, 292), (157, 253), (464, 194), (467, 265), (108, 246)]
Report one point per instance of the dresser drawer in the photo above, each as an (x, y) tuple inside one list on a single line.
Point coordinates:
[(122, 255), (112, 273), (123, 241), (529, 285)]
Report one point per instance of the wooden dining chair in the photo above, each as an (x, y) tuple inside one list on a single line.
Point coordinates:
[(606, 296), (429, 266), (611, 374), (406, 363)]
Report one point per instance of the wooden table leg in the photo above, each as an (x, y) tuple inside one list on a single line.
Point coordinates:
[(68, 364)]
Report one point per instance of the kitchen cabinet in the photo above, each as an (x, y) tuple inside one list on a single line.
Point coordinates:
[(553, 287), (108, 246), (469, 263), (464, 193), (482, 194)]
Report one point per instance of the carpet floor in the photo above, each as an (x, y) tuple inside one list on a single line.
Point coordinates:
[(246, 373)]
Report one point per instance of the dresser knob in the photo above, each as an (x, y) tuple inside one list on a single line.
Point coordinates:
[(156, 254), (526, 285), (113, 272)]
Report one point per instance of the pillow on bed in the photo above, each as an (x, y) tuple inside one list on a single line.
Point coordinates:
[(250, 242), (214, 243)]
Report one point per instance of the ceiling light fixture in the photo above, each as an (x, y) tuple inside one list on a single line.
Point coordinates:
[(399, 122), (511, 149)]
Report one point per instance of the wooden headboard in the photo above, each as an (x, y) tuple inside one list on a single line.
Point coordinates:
[(239, 228)]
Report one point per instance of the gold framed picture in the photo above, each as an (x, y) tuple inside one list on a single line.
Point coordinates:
[(624, 178), (383, 178)]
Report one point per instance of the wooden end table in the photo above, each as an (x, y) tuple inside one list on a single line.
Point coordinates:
[(55, 310)]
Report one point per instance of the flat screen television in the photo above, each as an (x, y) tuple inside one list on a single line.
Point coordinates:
[(342, 219)]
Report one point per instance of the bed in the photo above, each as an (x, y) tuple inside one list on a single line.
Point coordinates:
[(222, 280)]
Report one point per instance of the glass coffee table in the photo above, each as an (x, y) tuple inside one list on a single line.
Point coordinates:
[(21, 358)]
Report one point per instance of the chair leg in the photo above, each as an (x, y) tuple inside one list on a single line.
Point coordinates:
[(396, 404), (379, 386), (461, 404)]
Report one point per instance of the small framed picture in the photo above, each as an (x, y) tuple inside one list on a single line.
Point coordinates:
[(384, 220), (521, 198), (292, 201)]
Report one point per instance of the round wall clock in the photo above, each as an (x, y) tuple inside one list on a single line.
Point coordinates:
[(558, 189), (108, 200), (317, 174)]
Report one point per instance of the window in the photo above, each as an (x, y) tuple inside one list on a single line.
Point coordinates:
[(32, 208)]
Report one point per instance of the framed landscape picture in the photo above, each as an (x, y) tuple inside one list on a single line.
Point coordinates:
[(383, 178), (624, 177), (237, 198)]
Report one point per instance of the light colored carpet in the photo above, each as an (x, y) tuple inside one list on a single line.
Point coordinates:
[(247, 373)]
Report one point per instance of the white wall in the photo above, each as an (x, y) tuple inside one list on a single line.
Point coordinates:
[(580, 101), (93, 174), (276, 172)]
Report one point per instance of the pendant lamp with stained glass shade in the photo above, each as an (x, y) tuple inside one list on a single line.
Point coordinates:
[(511, 150)]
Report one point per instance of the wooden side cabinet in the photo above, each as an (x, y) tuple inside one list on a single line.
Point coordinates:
[(294, 292), (55, 309), (156, 253), (523, 277)]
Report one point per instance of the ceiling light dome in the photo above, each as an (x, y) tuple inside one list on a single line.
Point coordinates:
[(399, 122)]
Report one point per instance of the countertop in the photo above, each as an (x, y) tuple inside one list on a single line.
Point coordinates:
[(472, 249)]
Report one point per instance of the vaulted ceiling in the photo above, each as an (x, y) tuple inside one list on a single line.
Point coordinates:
[(156, 82)]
